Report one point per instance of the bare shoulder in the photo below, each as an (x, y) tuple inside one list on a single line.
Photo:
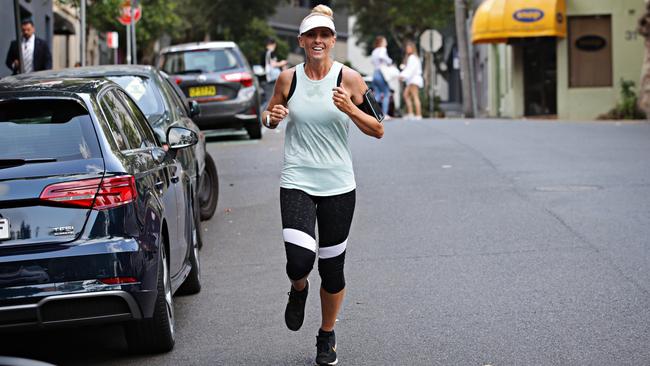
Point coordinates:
[(286, 75)]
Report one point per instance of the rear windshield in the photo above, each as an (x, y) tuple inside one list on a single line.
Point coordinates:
[(200, 61), (54, 129), (142, 91)]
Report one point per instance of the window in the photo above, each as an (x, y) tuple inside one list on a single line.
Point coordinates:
[(122, 126), (54, 129), (590, 51), (138, 122), (200, 61), (142, 91)]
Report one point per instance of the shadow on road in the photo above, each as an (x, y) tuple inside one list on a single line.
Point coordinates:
[(69, 346)]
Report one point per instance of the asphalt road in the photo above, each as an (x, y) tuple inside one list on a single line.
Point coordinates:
[(473, 243)]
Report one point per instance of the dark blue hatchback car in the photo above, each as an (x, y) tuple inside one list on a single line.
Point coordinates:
[(96, 220)]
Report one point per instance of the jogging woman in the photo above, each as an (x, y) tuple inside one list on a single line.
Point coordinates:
[(317, 181)]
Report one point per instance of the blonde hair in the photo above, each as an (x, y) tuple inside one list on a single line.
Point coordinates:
[(311, 20), (322, 10)]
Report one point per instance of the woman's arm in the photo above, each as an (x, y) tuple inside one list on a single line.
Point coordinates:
[(350, 94), (277, 108)]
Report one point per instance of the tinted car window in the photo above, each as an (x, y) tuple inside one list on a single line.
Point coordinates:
[(177, 95), (58, 129), (143, 92), (122, 125), (139, 121), (108, 104), (200, 61)]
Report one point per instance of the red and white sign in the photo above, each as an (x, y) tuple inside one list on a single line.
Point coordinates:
[(125, 13), (112, 40)]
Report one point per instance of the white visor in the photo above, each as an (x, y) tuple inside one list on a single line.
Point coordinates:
[(316, 21)]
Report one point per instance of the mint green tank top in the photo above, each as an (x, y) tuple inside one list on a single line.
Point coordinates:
[(317, 158)]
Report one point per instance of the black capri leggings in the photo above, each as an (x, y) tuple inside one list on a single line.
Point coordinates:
[(300, 212)]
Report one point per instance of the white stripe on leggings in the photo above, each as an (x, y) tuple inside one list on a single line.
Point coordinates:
[(333, 251), (299, 238)]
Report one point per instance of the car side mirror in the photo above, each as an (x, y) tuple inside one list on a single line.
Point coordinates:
[(181, 137), (195, 110)]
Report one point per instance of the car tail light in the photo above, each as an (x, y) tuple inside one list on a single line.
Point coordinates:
[(243, 78), (106, 193), (118, 280), (80, 193), (115, 191), (178, 81)]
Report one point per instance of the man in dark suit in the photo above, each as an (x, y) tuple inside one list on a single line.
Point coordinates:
[(36, 53)]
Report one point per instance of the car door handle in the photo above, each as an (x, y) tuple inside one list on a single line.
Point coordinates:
[(175, 179)]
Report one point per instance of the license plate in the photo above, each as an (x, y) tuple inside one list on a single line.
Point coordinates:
[(4, 229), (203, 91)]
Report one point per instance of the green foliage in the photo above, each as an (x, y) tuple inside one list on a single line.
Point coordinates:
[(627, 108), (158, 17), (222, 19), (398, 20), (253, 41)]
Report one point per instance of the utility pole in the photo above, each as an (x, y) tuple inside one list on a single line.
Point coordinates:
[(134, 5), (19, 36), (463, 55), (82, 34)]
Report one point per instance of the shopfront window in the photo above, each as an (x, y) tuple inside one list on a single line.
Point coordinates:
[(590, 51)]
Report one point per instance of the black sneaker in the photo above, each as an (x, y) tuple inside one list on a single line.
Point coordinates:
[(294, 314), (326, 348)]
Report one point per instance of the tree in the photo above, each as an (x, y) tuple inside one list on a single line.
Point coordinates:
[(463, 56), (398, 20), (644, 85), (243, 22), (158, 17)]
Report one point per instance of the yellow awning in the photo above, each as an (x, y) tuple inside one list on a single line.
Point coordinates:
[(495, 21)]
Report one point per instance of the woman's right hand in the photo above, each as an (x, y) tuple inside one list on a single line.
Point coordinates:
[(278, 113)]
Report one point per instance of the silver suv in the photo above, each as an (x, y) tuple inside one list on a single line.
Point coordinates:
[(219, 78)]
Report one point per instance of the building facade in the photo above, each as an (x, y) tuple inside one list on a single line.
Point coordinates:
[(557, 59)]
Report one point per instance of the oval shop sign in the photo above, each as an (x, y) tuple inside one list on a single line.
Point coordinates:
[(528, 15), (591, 43)]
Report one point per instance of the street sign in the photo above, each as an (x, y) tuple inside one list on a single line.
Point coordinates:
[(125, 13), (431, 40), (112, 40)]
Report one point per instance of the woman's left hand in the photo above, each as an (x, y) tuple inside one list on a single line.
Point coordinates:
[(342, 100)]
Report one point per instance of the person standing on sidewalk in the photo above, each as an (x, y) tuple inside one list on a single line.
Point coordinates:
[(379, 58), (319, 99), (36, 53), (412, 76), (272, 67)]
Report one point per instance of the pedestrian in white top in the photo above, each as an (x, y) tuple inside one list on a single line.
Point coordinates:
[(412, 76), (379, 58)]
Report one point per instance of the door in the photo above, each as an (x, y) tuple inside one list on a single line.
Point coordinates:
[(176, 197), (540, 76)]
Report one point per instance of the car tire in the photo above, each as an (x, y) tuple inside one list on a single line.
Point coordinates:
[(156, 334), (192, 284), (209, 189), (254, 130)]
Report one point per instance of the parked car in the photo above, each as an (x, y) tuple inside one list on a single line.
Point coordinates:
[(96, 221), (217, 76), (163, 108)]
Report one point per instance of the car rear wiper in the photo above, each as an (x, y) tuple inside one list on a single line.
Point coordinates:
[(8, 163)]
